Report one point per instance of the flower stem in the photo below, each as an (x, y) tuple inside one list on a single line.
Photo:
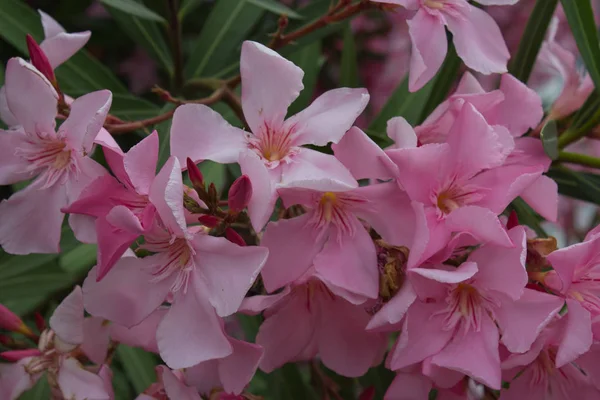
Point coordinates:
[(580, 159)]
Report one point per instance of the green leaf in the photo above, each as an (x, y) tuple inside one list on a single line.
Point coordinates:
[(78, 261), (579, 185), (17, 19), (527, 216), (275, 7), (187, 6), (549, 136), (83, 73), (522, 63), (138, 365), (228, 24), (130, 107), (588, 116), (1, 74), (310, 60), (164, 135), (349, 63), (250, 325), (581, 21), (41, 390), (215, 173), (134, 8), (146, 33)]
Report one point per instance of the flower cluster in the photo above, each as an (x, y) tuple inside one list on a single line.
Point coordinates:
[(342, 251)]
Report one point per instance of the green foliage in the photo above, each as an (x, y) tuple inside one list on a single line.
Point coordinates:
[(549, 136), (349, 63), (138, 366), (134, 8), (276, 8)]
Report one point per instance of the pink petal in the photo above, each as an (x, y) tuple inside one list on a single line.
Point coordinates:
[(125, 295), (50, 25), (328, 117), (98, 197), (184, 341), (34, 113), (497, 2), (84, 228), (200, 133), (15, 380), (311, 169), (256, 304), (478, 40), (264, 194), (106, 140), (293, 245), (105, 373), (270, 83), (402, 133), (348, 265), (394, 310), (480, 222), (95, 339), (565, 261), (166, 193), (464, 272), (468, 84), (408, 387), (12, 166), (356, 147), (85, 120), (205, 376), (237, 370), (229, 270), (141, 335), (474, 354), (175, 388), (140, 163), (521, 321), (542, 196), (89, 171), (112, 243), (32, 220), (342, 327), (5, 114), (77, 383), (429, 48), (502, 269), (63, 46), (576, 336), (67, 320)]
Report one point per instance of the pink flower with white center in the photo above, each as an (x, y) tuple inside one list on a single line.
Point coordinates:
[(121, 207), (476, 36), (57, 160), (271, 154), (559, 365), (331, 238), (204, 276), (307, 319), (463, 313)]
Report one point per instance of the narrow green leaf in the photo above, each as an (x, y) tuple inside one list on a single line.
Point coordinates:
[(146, 33), (579, 185), (533, 37), (276, 8), (138, 365), (164, 135), (444, 81), (17, 19), (549, 136), (349, 63), (310, 60), (134, 8), (41, 390), (588, 116), (187, 6), (527, 216), (78, 261), (228, 24), (581, 21)]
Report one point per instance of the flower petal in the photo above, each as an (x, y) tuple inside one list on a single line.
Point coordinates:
[(166, 193), (480, 222), (311, 169), (77, 383), (67, 320), (264, 195), (12, 166), (140, 163), (85, 119), (174, 388), (237, 370)]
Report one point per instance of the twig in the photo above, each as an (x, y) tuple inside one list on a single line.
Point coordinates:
[(580, 159), (175, 33)]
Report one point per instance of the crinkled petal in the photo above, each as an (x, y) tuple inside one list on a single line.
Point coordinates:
[(76, 383), (140, 163), (566, 260), (264, 194), (311, 169), (394, 310), (480, 222), (166, 193)]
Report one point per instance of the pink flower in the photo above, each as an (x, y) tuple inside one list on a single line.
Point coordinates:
[(463, 313), (271, 154), (476, 36), (170, 385), (202, 275), (56, 160), (121, 207), (309, 319)]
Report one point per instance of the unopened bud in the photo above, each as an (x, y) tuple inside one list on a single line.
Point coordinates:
[(16, 355), (367, 394), (40, 60), (209, 220), (6, 340), (40, 323), (234, 237), (195, 174), (513, 220), (11, 322), (283, 22), (213, 196), (240, 194)]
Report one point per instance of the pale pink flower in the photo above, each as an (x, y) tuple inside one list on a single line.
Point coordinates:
[(271, 154), (56, 159), (476, 36), (201, 275)]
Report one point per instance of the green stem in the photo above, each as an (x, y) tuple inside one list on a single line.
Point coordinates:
[(580, 159), (569, 136)]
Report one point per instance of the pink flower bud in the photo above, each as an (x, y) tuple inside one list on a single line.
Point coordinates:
[(40, 323), (195, 174), (240, 193), (209, 220), (39, 59), (11, 322), (234, 237), (16, 355), (513, 220)]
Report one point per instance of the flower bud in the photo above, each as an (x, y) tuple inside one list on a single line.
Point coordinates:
[(513, 220), (209, 220), (240, 194), (234, 237), (195, 174), (16, 355), (40, 60), (11, 322)]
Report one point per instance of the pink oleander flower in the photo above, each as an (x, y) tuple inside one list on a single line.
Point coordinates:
[(462, 313), (271, 154), (307, 319), (57, 159), (121, 207), (170, 386), (58, 46), (559, 365), (201, 275), (476, 37), (55, 354)]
